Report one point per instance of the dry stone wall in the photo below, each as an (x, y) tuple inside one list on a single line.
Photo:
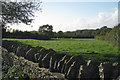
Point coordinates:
[(70, 66), (30, 68)]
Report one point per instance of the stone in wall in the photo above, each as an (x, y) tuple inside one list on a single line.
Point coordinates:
[(57, 62), (61, 63), (37, 55), (64, 63), (46, 59), (22, 49), (116, 71), (54, 62), (74, 70), (30, 54), (14, 47), (78, 58), (43, 52), (90, 70), (6, 57), (71, 71), (73, 66), (105, 70), (7, 45), (118, 78)]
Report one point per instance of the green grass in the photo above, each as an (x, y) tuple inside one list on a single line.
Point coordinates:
[(77, 47)]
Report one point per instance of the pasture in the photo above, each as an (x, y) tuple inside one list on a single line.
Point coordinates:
[(89, 48)]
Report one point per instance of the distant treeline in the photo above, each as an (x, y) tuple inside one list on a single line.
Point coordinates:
[(45, 32), (75, 34), (24, 35)]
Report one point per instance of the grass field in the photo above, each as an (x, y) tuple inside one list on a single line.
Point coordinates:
[(104, 50)]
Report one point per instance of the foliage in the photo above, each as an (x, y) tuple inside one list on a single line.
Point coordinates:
[(75, 34), (46, 32), (102, 33), (25, 35), (84, 47), (14, 72), (60, 34), (17, 12), (114, 35), (46, 29)]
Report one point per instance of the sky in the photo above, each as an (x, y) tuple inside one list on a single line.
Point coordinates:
[(71, 16)]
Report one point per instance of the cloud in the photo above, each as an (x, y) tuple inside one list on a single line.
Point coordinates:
[(109, 19), (63, 23), (102, 19)]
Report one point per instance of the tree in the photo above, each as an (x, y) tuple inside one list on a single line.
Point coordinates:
[(60, 34), (104, 27), (17, 12), (47, 29), (114, 36), (102, 33)]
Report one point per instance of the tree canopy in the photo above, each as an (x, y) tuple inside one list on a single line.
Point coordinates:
[(46, 29), (18, 12)]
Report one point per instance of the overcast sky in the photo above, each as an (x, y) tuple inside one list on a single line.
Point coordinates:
[(71, 16)]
